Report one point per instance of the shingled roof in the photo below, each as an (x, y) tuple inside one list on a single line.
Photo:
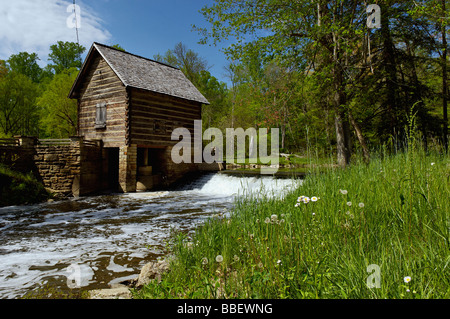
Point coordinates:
[(142, 73)]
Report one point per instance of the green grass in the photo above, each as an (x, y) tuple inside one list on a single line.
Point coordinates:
[(17, 188), (323, 249)]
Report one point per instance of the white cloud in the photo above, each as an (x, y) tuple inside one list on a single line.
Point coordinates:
[(34, 25)]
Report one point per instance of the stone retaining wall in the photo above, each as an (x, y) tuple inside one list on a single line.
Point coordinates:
[(57, 167), (65, 167)]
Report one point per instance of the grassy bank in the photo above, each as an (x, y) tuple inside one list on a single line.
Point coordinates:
[(17, 188), (384, 225)]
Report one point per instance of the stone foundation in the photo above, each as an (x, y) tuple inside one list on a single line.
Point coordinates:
[(78, 167)]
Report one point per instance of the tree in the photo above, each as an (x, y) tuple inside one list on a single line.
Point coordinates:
[(26, 63), (58, 113), (65, 55), (295, 31), (186, 60), (3, 68), (18, 112), (118, 47), (216, 93), (436, 13)]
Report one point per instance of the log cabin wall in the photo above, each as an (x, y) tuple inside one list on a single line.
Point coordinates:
[(102, 85), (154, 116)]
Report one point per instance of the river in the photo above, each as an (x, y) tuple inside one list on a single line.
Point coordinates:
[(109, 238)]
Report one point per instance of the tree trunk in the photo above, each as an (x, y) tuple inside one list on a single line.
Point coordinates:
[(360, 137), (343, 147), (390, 72), (444, 80)]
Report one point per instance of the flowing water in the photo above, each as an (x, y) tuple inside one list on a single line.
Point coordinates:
[(107, 239)]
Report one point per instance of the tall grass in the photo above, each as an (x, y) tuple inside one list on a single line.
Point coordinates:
[(392, 213)]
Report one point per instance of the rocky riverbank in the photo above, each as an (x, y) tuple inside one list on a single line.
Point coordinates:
[(150, 271)]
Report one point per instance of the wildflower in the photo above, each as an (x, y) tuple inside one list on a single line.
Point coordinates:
[(204, 261), (236, 258), (279, 262), (343, 191), (314, 199), (297, 204), (306, 200), (407, 279), (219, 258), (349, 204), (407, 290), (314, 214), (432, 164), (300, 199), (361, 205)]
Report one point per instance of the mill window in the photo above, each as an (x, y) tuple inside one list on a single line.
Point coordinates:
[(100, 116)]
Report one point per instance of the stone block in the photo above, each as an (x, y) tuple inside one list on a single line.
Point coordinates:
[(51, 157)]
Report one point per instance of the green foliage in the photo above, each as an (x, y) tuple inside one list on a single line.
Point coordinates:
[(188, 61), (285, 248), (18, 111), (58, 113), (65, 55), (118, 47), (26, 63)]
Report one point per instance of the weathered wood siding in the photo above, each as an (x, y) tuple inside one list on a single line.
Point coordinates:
[(99, 85), (154, 116)]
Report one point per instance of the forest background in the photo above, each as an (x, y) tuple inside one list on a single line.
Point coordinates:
[(313, 69)]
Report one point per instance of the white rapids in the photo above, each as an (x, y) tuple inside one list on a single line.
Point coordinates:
[(110, 237)]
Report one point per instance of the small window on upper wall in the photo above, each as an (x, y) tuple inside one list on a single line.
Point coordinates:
[(100, 116)]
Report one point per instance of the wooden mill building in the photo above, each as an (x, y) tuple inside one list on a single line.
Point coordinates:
[(132, 104)]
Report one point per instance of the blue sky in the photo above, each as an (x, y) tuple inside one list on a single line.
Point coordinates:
[(140, 27)]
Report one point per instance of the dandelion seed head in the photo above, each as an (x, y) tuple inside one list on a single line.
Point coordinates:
[(204, 260), (343, 191), (361, 205), (349, 204), (219, 258)]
